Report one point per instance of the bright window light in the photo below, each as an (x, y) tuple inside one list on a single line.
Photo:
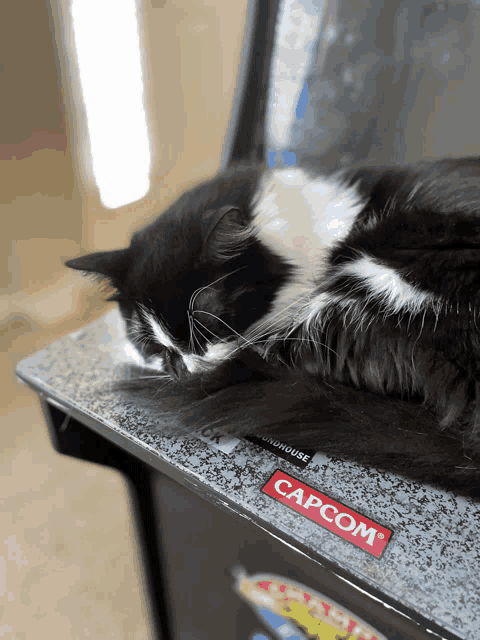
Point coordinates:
[(107, 43)]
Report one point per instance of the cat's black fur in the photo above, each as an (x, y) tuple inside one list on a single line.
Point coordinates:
[(385, 374)]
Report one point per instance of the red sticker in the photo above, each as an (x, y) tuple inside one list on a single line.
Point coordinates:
[(328, 513)]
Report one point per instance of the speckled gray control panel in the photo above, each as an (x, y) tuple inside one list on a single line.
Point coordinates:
[(431, 564)]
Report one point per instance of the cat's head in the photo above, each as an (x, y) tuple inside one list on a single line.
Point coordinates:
[(193, 280)]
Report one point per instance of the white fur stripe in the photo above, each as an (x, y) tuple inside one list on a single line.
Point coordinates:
[(158, 332), (385, 283), (155, 364), (317, 306), (132, 353), (301, 218), (215, 355)]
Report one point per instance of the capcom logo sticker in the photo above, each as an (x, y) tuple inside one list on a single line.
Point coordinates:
[(334, 516), (292, 610)]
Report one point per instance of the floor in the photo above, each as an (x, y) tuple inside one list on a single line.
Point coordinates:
[(68, 555)]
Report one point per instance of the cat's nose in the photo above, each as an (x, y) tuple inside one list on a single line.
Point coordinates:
[(175, 366)]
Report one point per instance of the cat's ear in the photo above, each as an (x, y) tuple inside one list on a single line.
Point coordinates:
[(229, 218), (228, 234), (109, 264)]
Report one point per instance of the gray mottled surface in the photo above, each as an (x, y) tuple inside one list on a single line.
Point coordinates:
[(432, 564)]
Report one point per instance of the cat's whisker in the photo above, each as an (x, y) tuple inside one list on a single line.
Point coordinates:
[(137, 329), (197, 322), (165, 377), (265, 330), (197, 340), (191, 329), (199, 290), (268, 323), (193, 297), (161, 388), (262, 340), (220, 320), (194, 341), (246, 342), (142, 342), (191, 311), (421, 330), (317, 342)]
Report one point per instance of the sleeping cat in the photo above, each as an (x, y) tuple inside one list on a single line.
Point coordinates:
[(329, 288)]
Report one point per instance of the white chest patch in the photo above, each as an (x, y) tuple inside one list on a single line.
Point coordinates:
[(157, 331), (301, 217)]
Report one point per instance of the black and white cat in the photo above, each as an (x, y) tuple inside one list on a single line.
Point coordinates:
[(366, 280)]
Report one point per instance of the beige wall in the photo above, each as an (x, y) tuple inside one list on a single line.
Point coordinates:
[(37, 196), (67, 520), (49, 206)]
